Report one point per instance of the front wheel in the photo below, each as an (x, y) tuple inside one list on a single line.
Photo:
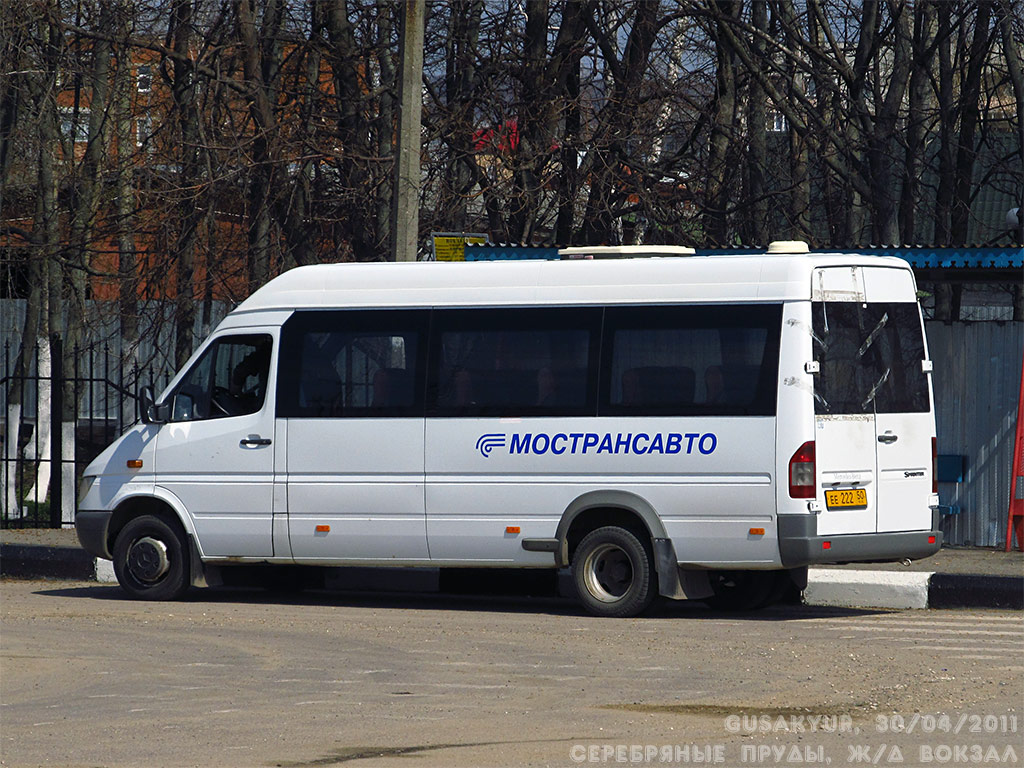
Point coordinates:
[(614, 573), (151, 559)]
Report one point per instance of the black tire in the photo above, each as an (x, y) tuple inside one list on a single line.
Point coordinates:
[(614, 573), (151, 559), (744, 590), (784, 590)]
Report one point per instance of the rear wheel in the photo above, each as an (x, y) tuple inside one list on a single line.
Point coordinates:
[(613, 572), (151, 559)]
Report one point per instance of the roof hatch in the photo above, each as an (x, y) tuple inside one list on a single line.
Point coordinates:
[(788, 246)]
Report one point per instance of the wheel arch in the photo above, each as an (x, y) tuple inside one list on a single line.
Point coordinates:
[(598, 508), (159, 504)]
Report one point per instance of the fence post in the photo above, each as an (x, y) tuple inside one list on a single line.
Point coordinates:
[(56, 437), (9, 474)]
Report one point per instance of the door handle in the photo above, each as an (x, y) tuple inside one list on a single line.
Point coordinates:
[(246, 441), (888, 438)]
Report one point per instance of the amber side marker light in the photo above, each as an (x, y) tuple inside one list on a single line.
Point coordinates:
[(134, 463), (323, 529), (756, 531), (512, 529)]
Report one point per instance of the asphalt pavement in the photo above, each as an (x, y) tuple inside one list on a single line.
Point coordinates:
[(955, 577), (251, 677)]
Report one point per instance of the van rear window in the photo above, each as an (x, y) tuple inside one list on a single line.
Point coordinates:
[(870, 357)]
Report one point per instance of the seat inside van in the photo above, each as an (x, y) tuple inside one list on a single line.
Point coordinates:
[(658, 385)]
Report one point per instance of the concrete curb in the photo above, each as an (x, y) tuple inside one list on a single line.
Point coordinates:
[(867, 589), (825, 586), (893, 589), (105, 571), (947, 590), (30, 561)]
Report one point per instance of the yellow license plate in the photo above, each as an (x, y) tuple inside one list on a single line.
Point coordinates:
[(850, 498)]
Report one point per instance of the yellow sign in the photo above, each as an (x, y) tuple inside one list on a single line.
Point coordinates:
[(451, 246)]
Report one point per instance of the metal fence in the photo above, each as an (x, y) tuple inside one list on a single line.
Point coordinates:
[(43, 454), (103, 380)]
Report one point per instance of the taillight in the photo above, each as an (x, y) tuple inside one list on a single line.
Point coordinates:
[(801, 472), (935, 467)]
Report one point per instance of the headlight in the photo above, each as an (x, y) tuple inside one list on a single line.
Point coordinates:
[(84, 486)]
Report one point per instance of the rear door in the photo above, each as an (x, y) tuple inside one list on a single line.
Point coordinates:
[(904, 423), (872, 405), (844, 432)]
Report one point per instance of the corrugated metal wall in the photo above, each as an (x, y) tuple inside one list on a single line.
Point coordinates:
[(976, 380)]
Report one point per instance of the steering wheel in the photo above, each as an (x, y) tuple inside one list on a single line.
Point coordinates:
[(221, 394)]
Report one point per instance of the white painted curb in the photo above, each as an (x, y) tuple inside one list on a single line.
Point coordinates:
[(105, 571), (866, 589)]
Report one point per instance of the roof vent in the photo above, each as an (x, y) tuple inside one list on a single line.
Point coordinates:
[(787, 246), (623, 251)]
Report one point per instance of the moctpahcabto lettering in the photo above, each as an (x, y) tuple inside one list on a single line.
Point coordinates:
[(597, 443)]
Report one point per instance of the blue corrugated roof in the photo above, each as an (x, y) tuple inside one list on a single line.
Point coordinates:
[(498, 252), (953, 258), (923, 258)]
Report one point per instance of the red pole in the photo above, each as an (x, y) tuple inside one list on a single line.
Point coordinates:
[(1015, 514)]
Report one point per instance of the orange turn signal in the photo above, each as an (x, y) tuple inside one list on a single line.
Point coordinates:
[(756, 531), (323, 529), (134, 463), (512, 529)]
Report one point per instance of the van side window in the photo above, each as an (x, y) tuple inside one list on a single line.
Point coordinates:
[(230, 379), (514, 362), (719, 361), (351, 363)]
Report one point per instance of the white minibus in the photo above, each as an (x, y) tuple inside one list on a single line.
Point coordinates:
[(666, 424)]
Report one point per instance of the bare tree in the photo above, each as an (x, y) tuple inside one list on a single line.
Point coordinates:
[(724, 117), (970, 117), (608, 147), (919, 117)]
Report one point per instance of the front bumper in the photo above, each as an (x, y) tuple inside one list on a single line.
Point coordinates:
[(800, 544), (92, 528)]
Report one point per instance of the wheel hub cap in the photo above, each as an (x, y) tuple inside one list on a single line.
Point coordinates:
[(608, 573), (147, 559)]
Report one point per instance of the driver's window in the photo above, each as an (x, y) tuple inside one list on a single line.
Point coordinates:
[(230, 379)]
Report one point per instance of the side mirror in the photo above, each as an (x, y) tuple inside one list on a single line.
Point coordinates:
[(150, 412)]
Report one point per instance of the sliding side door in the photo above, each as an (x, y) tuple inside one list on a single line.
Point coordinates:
[(352, 393)]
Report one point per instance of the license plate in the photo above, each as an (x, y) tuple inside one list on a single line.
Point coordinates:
[(851, 498)]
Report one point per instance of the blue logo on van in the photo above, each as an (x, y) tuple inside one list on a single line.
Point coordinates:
[(488, 443), (638, 443)]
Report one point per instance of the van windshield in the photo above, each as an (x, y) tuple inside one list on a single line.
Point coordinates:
[(870, 357)]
